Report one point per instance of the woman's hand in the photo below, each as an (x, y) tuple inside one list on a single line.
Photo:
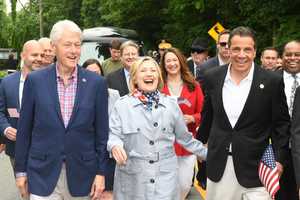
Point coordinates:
[(189, 119), (119, 155)]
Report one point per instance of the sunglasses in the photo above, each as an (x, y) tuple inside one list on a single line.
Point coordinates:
[(223, 44), (197, 50)]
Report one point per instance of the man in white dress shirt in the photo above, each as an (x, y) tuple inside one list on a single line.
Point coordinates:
[(244, 106)]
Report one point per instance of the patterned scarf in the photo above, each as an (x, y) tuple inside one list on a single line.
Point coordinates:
[(147, 98)]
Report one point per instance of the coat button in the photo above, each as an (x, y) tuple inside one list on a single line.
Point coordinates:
[(151, 142), (138, 129), (151, 161), (155, 124), (152, 180), (164, 129)]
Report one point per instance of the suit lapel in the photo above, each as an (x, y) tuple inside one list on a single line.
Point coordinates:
[(53, 91), (81, 84), (219, 95), (123, 83), (16, 84)]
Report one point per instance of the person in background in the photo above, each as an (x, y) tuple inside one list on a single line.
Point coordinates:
[(143, 128), (119, 79), (279, 63), (199, 54), (291, 77), (114, 62), (269, 58), (113, 95), (162, 46), (48, 55), (11, 93), (221, 58), (181, 85)]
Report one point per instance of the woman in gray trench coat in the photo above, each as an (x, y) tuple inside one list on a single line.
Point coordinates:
[(143, 128)]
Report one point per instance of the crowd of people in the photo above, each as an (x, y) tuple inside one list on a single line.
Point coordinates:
[(134, 127)]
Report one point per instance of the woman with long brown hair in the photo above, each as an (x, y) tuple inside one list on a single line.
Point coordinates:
[(181, 85)]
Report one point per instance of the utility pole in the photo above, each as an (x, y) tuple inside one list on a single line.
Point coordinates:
[(41, 18)]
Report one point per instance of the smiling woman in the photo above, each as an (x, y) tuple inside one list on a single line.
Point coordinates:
[(143, 128)]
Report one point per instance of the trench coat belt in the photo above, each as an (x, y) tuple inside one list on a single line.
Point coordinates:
[(156, 156)]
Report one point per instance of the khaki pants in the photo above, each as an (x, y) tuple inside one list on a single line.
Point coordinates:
[(228, 187), (61, 191), (185, 172)]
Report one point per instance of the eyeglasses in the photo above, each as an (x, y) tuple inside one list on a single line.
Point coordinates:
[(223, 44)]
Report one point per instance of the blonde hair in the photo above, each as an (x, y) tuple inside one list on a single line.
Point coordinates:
[(134, 69)]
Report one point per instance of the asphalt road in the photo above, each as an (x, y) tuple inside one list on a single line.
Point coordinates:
[(8, 190)]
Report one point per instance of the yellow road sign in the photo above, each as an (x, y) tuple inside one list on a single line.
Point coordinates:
[(216, 30)]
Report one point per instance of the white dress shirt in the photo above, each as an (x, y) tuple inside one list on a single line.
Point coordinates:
[(235, 95), (21, 86), (288, 83), (127, 76)]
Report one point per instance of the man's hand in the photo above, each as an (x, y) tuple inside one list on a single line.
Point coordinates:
[(189, 119), (279, 168), (11, 133), (97, 187), (22, 184), (2, 147), (119, 155)]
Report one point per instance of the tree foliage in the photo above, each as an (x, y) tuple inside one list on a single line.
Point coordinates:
[(180, 21)]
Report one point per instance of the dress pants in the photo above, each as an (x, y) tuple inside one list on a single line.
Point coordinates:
[(288, 187), (228, 187), (185, 173), (61, 191)]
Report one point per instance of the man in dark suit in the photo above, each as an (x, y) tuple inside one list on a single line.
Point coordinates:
[(63, 126), (199, 54), (221, 58), (11, 90), (291, 76), (244, 106), (119, 79)]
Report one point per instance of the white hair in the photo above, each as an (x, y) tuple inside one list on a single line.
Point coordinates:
[(60, 26)]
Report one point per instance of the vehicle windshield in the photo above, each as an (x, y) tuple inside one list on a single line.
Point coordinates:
[(93, 50)]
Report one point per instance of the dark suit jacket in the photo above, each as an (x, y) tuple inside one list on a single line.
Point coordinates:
[(117, 80), (295, 135), (9, 98), (264, 115), (44, 143), (206, 66), (191, 66)]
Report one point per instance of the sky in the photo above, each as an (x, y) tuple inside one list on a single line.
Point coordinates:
[(18, 5)]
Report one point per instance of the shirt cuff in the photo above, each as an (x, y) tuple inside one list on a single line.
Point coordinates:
[(5, 130), (21, 174)]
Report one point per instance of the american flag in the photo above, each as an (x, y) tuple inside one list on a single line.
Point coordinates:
[(267, 172)]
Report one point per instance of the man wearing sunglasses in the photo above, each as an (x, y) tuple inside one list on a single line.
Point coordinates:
[(221, 58), (199, 54)]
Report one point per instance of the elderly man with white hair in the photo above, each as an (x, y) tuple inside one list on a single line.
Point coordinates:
[(63, 127)]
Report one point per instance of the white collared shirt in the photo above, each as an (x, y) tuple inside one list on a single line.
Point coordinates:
[(235, 96), (127, 76), (21, 86), (288, 83), (221, 62)]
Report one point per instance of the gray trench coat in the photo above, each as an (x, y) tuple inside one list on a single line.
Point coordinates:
[(150, 172)]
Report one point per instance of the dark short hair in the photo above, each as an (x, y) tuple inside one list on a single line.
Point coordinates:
[(224, 32), (242, 31), (269, 49), (115, 44), (92, 61)]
